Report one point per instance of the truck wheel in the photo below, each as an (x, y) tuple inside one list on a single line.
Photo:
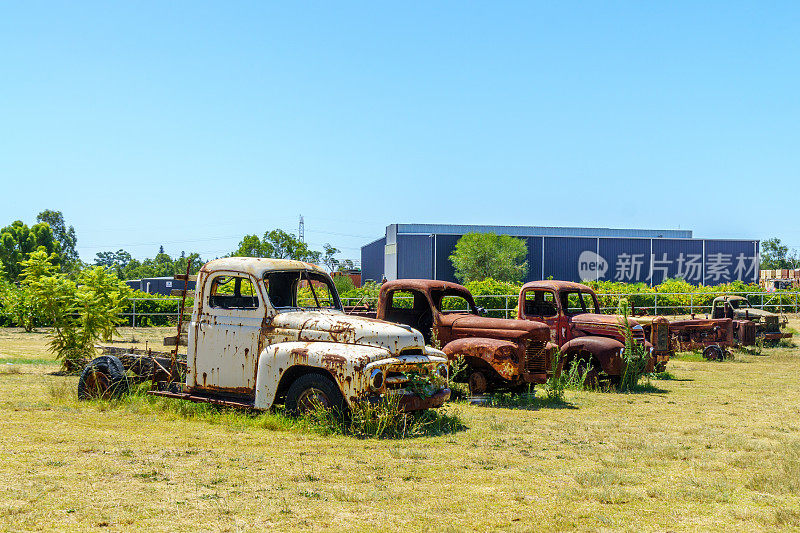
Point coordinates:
[(312, 390), (140, 365), (477, 382), (104, 377), (713, 353)]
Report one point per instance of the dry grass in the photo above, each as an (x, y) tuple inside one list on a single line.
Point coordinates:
[(719, 449)]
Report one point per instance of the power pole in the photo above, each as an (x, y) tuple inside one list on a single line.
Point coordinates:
[(302, 230)]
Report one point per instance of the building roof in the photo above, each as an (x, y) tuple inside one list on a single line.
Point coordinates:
[(537, 231)]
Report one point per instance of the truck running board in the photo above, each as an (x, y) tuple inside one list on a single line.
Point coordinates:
[(202, 399)]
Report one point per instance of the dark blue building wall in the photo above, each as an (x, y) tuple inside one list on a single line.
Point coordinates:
[(415, 256), (588, 258), (372, 260)]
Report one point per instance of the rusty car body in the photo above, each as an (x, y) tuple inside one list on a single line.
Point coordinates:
[(738, 308), (267, 331), (586, 337), (498, 353)]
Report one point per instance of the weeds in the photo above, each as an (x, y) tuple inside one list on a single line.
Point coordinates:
[(383, 419), (573, 379), (635, 358)]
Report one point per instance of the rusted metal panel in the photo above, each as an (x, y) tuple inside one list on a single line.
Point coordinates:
[(599, 335), (490, 345)]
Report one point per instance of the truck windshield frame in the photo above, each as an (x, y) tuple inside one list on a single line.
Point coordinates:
[(282, 288)]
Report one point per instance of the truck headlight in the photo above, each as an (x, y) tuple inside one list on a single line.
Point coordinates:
[(376, 380), (442, 370)]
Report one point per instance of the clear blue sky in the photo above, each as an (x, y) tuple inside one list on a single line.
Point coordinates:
[(191, 124)]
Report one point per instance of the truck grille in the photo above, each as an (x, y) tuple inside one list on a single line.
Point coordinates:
[(535, 357), (660, 335)]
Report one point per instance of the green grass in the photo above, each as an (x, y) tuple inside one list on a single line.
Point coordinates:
[(718, 450)]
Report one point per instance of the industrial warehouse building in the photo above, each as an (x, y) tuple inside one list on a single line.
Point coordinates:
[(573, 254)]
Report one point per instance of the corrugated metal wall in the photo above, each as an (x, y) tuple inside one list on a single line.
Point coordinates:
[(414, 256), (584, 258), (372, 261)]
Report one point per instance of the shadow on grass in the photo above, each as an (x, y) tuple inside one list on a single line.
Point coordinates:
[(647, 388), (668, 376), (526, 401)]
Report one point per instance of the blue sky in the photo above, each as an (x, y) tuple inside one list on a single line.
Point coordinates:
[(191, 123)]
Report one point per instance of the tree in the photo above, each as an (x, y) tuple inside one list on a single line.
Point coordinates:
[(346, 264), (114, 261), (18, 241), (478, 256), (775, 255), (80, 313), (328, 257), (70, 260), (276, 244)]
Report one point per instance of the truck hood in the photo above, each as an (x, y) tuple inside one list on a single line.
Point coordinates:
[(335, 326), (754, 314), (603, 324), (465, 324)]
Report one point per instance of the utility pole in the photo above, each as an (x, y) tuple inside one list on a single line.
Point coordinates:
[(302, 230)]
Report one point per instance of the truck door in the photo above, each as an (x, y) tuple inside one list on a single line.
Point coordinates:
[(540, 305), (225, 351)]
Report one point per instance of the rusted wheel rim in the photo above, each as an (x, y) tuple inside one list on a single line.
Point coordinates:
[(97, 384), (312, 398), (477, 383)]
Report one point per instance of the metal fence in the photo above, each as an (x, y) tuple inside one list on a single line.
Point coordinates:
[(505, 305)]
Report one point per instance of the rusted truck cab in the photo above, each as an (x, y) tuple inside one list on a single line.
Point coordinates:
[(738, 308), (586, 337), (269, 331), (499, 354)]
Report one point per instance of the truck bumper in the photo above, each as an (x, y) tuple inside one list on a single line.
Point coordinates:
[(412, 402), (776, 336)]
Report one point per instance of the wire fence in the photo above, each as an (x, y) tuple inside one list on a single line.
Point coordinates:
[(159, 311)]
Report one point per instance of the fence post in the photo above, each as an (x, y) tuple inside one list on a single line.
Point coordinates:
[(134, 313), (762, 301), (655, 304), (691, 303), (506, 310)]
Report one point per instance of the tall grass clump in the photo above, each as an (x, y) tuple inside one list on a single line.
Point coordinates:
[(383, 419), (571, 378), (635, 358)]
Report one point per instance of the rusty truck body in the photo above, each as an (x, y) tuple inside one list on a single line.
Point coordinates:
[(738, 308), (498, 353), (269, 331), (586, 337)]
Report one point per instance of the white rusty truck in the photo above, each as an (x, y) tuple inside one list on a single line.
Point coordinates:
[(270, 331)]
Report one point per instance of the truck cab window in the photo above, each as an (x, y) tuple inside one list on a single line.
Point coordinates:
[(571, 303), (589, 303), (232, 292), (540, 303), (301, 289)]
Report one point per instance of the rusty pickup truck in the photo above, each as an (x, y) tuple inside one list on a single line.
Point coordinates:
[(499, 354), (586, 337), (738, 308), (270, 331)]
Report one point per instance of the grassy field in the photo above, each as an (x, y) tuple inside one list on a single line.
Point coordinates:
[(715, 448)]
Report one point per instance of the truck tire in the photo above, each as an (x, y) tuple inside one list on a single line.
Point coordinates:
[(478, 384), (141, 366), (104, 377), (310, 390)]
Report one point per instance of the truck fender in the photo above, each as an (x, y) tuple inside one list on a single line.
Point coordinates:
[(501, 356), (603, 351), (280, 364)]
